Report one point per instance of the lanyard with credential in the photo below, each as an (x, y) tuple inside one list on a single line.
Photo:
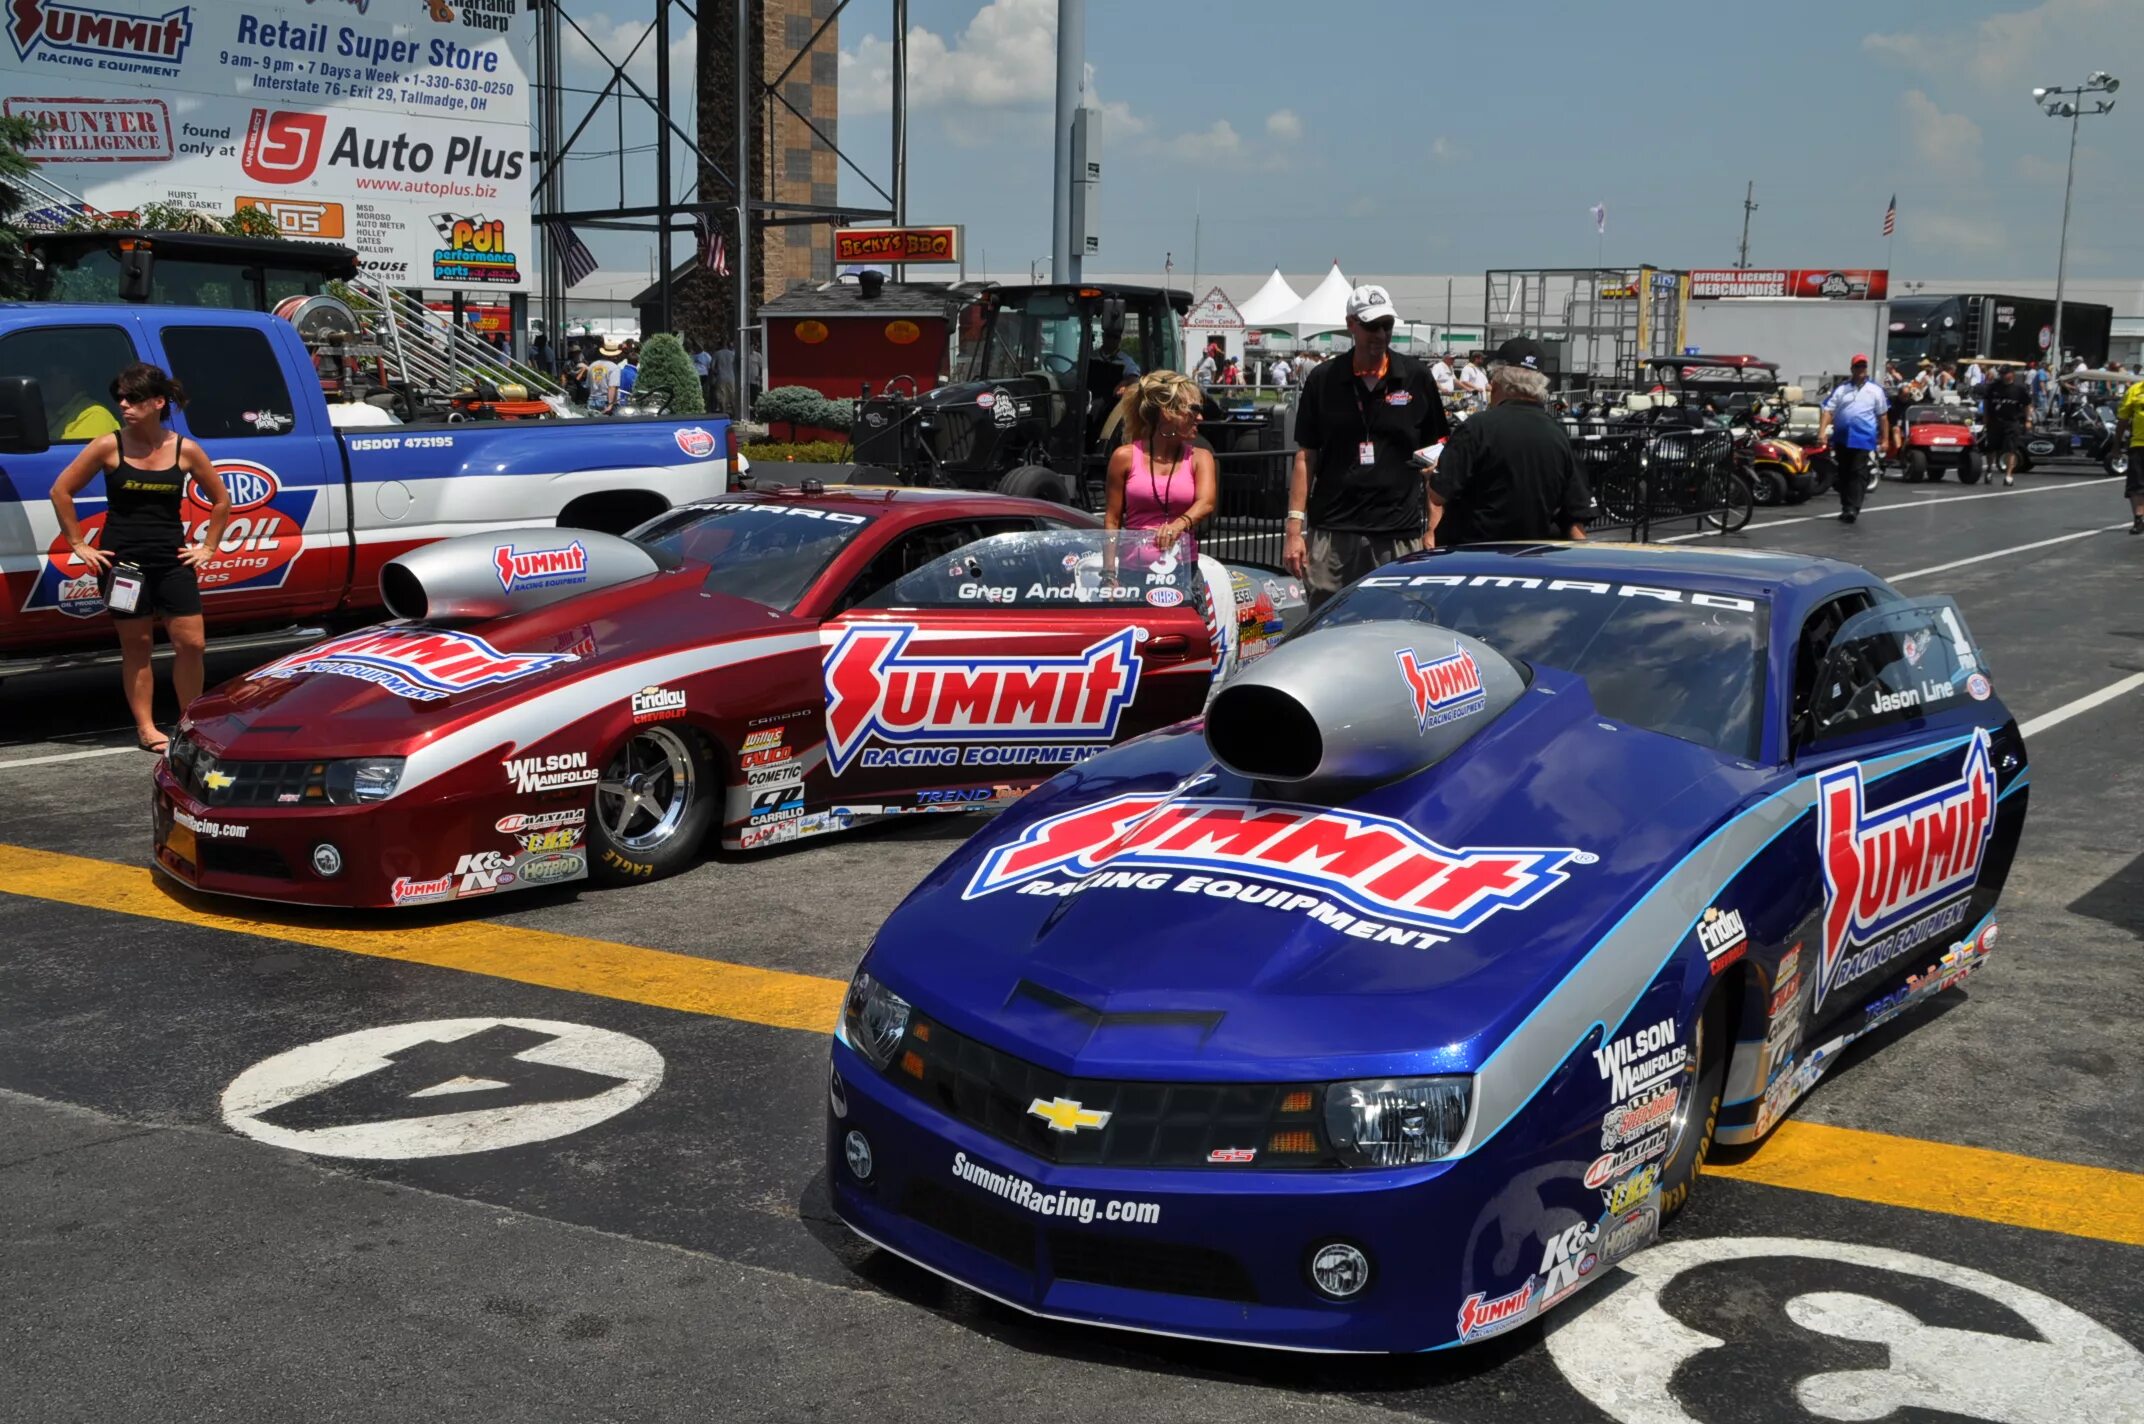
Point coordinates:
[(1366, 448)]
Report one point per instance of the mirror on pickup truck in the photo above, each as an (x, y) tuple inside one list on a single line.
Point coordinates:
[(22, 417)]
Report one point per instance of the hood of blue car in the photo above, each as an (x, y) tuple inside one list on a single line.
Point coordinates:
[(1153, 915)]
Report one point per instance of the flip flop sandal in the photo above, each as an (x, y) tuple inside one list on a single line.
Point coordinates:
[(161, 745)]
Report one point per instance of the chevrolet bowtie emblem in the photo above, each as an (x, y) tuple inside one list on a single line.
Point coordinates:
[(219, 781), (1065, 1115)]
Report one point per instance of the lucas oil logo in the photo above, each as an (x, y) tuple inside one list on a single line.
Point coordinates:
[(1372, 864), (540, 568), (422, 664), (876, 688), (107, 34), (1444, 689), (1884, 870)]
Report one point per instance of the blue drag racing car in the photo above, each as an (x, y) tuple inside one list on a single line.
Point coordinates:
[(1387, 1005)]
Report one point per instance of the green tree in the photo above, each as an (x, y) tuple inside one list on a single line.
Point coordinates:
[(664, 366), (15, 133)]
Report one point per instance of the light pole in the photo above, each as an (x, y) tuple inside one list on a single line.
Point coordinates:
[(2058, 103)]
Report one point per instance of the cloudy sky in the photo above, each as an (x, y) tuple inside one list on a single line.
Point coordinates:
[(1397, 136)]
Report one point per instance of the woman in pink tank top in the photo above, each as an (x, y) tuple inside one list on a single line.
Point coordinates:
[(1160, 478)]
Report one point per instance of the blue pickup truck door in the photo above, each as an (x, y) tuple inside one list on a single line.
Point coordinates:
[(49, 594), (286, 550)]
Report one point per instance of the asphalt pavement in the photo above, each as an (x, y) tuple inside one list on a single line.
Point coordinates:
[(640, 1231)]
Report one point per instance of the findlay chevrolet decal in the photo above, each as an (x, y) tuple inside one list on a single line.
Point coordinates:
[(422, 664), (876, 689), (1886, 869), (1374, 865)]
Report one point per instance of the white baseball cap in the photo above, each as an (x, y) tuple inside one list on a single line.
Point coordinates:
[(1372, 303)]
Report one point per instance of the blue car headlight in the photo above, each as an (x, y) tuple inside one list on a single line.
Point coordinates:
[(1397, 1122), (361, 779), (873, 1020)]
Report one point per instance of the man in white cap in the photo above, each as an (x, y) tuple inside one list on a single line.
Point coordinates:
[(1356, 498)]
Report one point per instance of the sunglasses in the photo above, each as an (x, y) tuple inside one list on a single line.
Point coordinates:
[(1383, 328)]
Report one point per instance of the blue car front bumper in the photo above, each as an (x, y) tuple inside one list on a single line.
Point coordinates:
[(1219, 1254)]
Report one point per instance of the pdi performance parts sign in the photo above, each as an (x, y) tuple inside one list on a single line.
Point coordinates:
[(441, 1088), (401, 130)]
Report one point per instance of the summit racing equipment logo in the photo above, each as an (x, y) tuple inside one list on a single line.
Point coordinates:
[(540, 568), (1885, 870), (1372, 864), (107, 34), (1481, 1317), (874, 688), (1444, 689), (1024, 1194), (422, 664)]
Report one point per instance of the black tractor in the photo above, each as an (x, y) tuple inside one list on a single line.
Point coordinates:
[(1031, 408)]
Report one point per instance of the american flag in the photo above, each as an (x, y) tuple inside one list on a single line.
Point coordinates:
[(714, 255), (1890, 217), (575, 260)]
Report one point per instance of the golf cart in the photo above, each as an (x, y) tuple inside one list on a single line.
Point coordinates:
[(1942, 435), (1030, 408), (1742, 394)]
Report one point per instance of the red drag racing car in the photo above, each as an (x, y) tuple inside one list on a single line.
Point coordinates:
[(559, 704)]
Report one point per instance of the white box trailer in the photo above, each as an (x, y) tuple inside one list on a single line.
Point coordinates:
[(1811, 339)]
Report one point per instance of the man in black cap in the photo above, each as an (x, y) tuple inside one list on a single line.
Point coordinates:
[(1509, 473), (1359, 423)]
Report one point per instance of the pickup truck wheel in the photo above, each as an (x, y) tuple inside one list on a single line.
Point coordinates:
[(612, 512), (1036, 482), (652, 807), (1697, 1116)]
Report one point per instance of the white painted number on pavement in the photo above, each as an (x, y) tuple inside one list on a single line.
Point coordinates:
[(441, 1088), (1843, 1332)]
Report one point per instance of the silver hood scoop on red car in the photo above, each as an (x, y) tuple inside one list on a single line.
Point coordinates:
[(480, 576)]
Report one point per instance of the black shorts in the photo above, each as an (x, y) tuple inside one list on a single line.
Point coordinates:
[(169, 589), (2133, 485), (2004, 437)]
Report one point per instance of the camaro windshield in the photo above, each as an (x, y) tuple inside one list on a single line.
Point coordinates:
[(768, 553), (1670, 660)]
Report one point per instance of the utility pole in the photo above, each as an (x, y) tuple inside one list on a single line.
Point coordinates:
[(2053, 103), (900, 122), (1071, 86), (748, 61), (1748, 207)]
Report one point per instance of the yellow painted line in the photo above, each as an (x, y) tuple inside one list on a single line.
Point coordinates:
[(554, 961), (1974, 1182), (2097, 1202)]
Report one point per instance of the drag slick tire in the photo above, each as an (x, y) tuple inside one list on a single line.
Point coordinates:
[(1698, 1115), (653, 805), (1036, 482)]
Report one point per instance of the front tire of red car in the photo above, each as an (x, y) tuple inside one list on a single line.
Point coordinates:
[(656, 798), (1699, 1117)]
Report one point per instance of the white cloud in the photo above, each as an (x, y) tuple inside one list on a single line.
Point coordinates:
[(1218, 144), (616, 39), (1446, 150), (1005, 58), (2044, 168), (2042, 43), (1285, 125), (1980, 235), (1949, 144)]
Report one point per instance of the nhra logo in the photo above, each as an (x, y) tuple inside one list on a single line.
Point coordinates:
[(422, 664), (1885, 868), (112, 34), (540, 568), (1444, 689), (695, 442), (1372, 864), (873, 688)]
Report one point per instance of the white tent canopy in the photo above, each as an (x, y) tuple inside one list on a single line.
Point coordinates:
[(1273, 301), (1325, 309)]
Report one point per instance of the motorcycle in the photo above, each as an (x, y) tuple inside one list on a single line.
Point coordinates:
[(1779, 471)]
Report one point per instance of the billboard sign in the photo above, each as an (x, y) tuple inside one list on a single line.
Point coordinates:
[(402, 132), (1856, 284), (913, 245)]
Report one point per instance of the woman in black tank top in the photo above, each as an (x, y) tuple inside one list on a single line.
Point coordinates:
[(143, 559)]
